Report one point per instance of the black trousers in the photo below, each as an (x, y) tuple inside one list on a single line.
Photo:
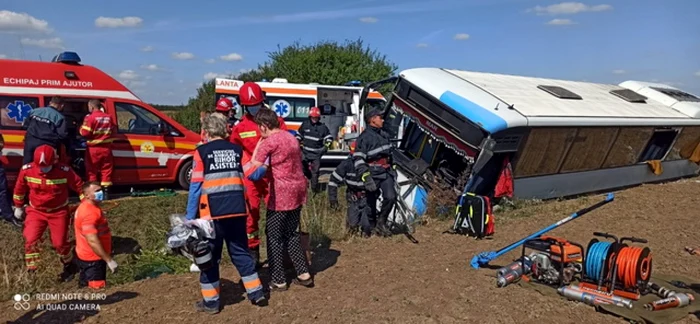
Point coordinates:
[(311, 167), (93, 274), (5, 196), (30, 146), (358, 212), (283, 238), (386, 186)]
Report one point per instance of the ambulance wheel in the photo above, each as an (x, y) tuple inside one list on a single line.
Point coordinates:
[(184, 175)]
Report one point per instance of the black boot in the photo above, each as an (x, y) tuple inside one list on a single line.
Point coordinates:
[(382, 229), (69, 271), (14, 222)]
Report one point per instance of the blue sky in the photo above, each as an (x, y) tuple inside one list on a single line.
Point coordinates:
[(164, 50)]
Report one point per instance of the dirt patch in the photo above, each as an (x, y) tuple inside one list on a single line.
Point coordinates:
[(394, 281)]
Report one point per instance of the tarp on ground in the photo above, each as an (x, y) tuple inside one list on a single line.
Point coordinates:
[(638, 314)]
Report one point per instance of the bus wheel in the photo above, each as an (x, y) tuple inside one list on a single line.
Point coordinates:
[(184, 175)]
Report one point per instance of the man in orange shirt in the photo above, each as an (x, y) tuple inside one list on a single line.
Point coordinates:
[(93, 239), (98, 129)]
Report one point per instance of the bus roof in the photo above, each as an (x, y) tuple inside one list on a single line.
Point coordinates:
[(55, 78), (232, 86), (675, 98), (497, 101)]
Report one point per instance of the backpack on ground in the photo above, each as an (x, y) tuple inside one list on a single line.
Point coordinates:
[(473, 216)]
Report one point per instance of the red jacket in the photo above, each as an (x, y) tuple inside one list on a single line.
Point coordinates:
[(246, 134), (98, 128), (47, 192)]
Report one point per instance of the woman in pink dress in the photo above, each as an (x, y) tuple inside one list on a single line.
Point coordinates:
[(287, 196)]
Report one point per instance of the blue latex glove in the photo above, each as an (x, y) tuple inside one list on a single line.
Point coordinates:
[(258, 174)]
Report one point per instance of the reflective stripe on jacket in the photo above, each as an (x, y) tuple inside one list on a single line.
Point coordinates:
[(222, 193)]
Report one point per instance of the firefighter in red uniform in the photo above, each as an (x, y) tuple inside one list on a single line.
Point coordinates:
[(98, 128), (47, 181), (246, 134)]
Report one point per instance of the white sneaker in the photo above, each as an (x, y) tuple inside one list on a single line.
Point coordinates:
[(194, 268)]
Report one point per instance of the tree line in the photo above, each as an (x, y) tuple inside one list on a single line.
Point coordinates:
[(325, 62)]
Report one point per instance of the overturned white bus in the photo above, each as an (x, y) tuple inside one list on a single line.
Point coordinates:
[(559, 138)]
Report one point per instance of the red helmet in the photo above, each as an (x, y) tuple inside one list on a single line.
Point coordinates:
[(224, 105), (250, 94), (315, 112), (45, 155), (352, 147)]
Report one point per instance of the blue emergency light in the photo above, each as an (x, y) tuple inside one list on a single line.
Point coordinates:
[(354, 83), (67, 57)]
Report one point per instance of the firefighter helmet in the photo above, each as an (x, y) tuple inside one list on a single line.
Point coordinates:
[(314, 112), (224, 105), (250, 94), (45, 155)]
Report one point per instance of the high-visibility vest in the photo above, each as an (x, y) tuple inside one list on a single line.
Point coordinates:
[(223, 193)]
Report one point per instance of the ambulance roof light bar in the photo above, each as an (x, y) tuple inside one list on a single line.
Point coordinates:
[(67, 57), (279, 80), (354, 83)]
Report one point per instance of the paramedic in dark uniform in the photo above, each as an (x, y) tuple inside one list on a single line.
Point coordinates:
[(315, 138), (216, 193), (372, 160), (358, 209), (45, 126)]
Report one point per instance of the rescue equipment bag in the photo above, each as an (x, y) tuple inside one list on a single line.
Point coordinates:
[(473, 217)]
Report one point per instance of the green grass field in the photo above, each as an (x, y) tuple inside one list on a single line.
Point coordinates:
[(139, 227)]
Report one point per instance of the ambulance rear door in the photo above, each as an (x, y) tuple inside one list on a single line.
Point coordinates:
[(145, 149)]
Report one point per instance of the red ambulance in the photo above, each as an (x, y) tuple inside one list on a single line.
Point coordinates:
[(149, 147)]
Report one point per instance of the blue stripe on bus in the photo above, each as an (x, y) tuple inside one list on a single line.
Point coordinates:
[(483, 117)]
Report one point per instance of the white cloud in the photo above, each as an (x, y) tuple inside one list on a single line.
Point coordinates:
[(569, 8), (214, 75), (23, 22), (108, 22), (697, 73), (134, 84), (3, 56), (421, 45), (461, 36), (128, 75), (231, 57), (369, 20), (183, 56), (619, 71), (54, 43), (148, 48), (151, 67), (560, 22), (210, 61)]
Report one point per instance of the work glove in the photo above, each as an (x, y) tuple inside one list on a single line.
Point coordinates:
[(19, 213), (369, 182), (334, 204), (112, 265)]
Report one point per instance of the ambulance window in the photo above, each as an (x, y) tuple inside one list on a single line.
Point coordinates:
[(133, 119), (291, 108), (14, 110)]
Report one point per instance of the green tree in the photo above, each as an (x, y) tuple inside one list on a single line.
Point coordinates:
[(326, 62)]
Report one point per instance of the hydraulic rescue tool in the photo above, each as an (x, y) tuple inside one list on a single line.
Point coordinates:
[(484, 258), (677, 300), (592, 297)]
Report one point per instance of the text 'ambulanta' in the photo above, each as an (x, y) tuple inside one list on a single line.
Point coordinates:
[(224, 159), (46, 83)]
